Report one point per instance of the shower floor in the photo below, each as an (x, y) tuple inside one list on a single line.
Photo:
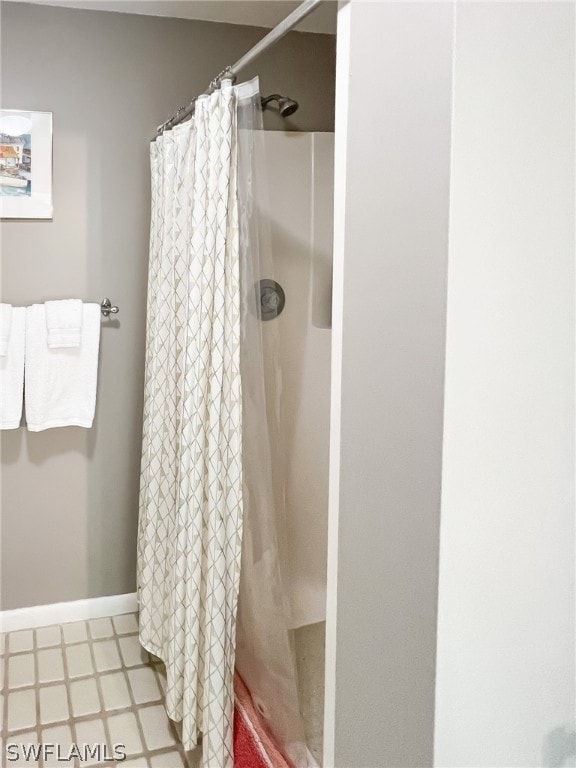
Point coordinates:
[(87, 682), (309, 647)]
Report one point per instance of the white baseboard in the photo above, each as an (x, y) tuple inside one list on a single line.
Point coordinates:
[(62, 613)]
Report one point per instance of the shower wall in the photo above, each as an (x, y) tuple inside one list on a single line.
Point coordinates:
[(70, 496), (297, 200), (294, 195)]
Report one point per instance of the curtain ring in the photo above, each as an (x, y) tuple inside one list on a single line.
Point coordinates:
[(226, 74)]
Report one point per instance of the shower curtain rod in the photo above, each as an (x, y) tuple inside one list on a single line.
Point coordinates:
[(231, 72)]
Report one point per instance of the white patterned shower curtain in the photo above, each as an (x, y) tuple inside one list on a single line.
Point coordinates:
[(209, 498), (190, 526)]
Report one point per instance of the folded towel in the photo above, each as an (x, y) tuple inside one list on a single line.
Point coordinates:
[(5, 325), (12, 372), (61, 383), (64, 323)]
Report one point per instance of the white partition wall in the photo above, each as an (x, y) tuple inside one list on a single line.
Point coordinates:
[(506, 644), (394, 86)]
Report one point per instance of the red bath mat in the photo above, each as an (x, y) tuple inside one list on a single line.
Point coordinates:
[(253, 746)]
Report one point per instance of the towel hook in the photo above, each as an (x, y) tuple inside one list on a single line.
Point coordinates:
[(107, 309)]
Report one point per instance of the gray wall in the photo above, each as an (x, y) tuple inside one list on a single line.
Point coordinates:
[(70, 496), (391, 242)]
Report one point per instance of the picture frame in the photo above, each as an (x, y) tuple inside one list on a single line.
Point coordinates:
[(25, 164)]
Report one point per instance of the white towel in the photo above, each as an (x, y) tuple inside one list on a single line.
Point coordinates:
[(5, 325), (12, 372), (64, 323), (61, 383)]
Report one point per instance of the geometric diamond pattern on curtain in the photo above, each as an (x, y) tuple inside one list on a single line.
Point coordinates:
[(190, 523)]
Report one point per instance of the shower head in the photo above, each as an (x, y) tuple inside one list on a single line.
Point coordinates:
[(286, 106)]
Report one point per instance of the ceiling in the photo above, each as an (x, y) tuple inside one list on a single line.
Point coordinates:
[(258, 13)]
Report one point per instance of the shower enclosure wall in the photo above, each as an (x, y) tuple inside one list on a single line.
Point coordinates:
[(296, 199)]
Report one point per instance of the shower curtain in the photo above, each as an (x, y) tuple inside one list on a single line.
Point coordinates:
[(207, 468)]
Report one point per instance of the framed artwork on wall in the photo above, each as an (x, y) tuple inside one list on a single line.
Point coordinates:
[(25, 164)]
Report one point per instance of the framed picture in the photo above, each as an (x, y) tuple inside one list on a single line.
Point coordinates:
[(25, 164)]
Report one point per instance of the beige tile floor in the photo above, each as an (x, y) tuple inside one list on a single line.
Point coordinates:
[(88, 682)]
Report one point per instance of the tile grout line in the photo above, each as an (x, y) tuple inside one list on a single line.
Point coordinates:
[(36, 662), (68, 685), (83, 677), (97, 715), (52, 645), (99, 687), (134, 706)]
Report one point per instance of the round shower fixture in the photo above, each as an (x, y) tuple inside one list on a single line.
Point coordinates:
[(286, 105), (272, 299)]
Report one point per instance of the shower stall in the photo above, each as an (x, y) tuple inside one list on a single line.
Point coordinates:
[(232, 544)]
